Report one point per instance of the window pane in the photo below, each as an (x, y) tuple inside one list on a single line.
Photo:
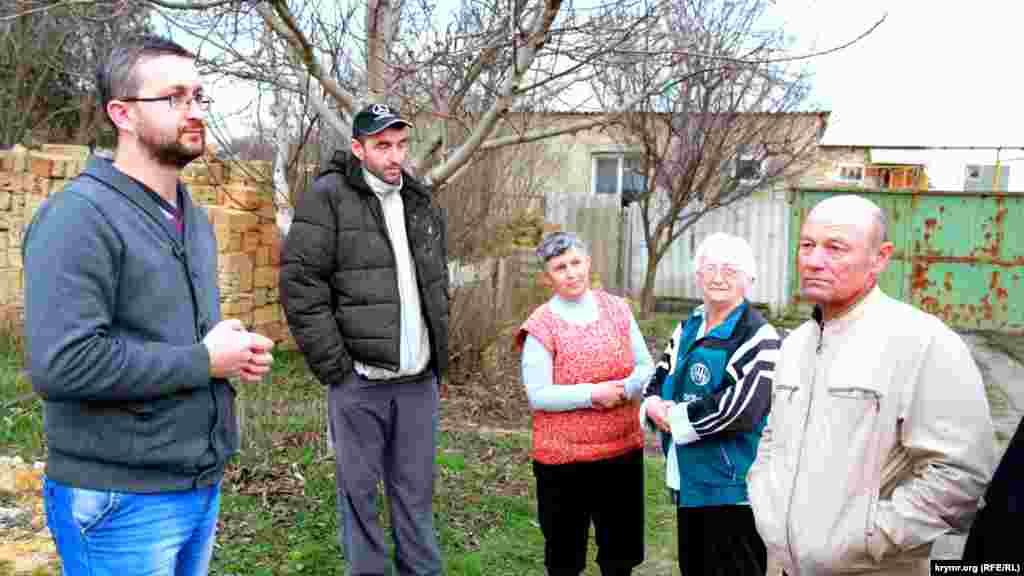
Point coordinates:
[(748, 169), (633, 179), (606, 177)]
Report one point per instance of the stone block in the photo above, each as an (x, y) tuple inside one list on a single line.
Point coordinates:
[(275, 252), (235, 220), (38, 185), (12, 258), (51, 165), (15, 230), (234, 242), (251, 241), (19, 157), (74, 151), (203, 194), (242, 221), (272, 292), (265, 277), (276, 331), (235, 272), (261, 256), (32, 204), (240, 197), (259, 297), (270, 234), (56, 186), (8, 286), (266, 211), (266, 315)]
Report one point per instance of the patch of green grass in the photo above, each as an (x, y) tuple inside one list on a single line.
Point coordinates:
[(277, 524), (21, 410), (484, 506), (278, 504)]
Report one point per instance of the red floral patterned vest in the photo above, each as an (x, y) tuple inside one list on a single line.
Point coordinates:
[(590, 353)]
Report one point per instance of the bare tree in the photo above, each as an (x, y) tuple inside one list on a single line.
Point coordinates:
[(48, 55), (467, 69), (728, 124)]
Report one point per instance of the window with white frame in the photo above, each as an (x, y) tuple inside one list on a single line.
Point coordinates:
[(851, 173), (748, 165), (618, 174)]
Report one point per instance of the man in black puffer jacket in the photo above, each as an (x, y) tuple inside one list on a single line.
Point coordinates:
[(364, 284)]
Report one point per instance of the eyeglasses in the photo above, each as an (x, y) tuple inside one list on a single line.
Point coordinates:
[(728, 271), (177, 101)]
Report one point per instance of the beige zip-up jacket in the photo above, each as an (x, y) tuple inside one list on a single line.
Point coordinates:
[(879, 441)]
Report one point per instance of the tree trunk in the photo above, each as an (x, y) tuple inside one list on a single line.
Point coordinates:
[(282, 192), (647, 293)]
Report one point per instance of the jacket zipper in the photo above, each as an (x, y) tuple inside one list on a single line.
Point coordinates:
[(803, 445), (199, 337), (728, 462), (875, 488)]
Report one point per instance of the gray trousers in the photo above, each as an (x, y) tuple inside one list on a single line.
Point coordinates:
[(386, 431)]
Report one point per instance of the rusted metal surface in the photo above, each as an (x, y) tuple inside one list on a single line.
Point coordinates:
[(958, 255)]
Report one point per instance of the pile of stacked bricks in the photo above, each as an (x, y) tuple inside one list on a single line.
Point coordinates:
[(237, 197)]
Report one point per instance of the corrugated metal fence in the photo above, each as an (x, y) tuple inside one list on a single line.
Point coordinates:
[(762, 221)]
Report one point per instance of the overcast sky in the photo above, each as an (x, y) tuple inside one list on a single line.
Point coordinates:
[(936, 72)]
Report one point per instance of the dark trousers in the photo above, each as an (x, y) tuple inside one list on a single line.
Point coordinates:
[(720, 541), (386, 431), (609, 493)]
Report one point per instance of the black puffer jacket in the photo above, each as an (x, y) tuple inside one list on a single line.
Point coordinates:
[(338, 280)]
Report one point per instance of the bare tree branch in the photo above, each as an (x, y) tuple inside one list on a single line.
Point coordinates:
[(534, 42), (190, 4), (280, 20)]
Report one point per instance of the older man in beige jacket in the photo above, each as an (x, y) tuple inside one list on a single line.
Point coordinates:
[(880, 438)]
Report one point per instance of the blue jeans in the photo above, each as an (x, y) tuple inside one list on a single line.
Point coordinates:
[(101, 533)]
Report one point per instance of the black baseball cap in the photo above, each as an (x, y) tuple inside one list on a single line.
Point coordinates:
[(374, 118)]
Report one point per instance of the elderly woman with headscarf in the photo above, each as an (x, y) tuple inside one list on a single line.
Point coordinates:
[(584, 365), (709, 400)]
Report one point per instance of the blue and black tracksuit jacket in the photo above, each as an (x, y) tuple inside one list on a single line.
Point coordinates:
[(725, 379)]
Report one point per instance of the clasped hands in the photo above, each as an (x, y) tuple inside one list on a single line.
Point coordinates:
[(234, 351), (658, 412), (608, 395)]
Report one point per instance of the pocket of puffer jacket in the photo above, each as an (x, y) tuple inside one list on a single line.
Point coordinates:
[(90, 507)]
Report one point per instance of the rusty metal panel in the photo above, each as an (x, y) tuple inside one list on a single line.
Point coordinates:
[(958, 255), (965, 270)]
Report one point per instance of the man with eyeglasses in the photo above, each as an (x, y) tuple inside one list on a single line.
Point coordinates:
[(124, 337)]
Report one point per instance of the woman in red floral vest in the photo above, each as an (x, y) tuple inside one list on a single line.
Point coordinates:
[(584, 366)]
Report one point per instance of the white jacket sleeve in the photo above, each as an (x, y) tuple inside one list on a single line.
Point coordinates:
[(947, 431)]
